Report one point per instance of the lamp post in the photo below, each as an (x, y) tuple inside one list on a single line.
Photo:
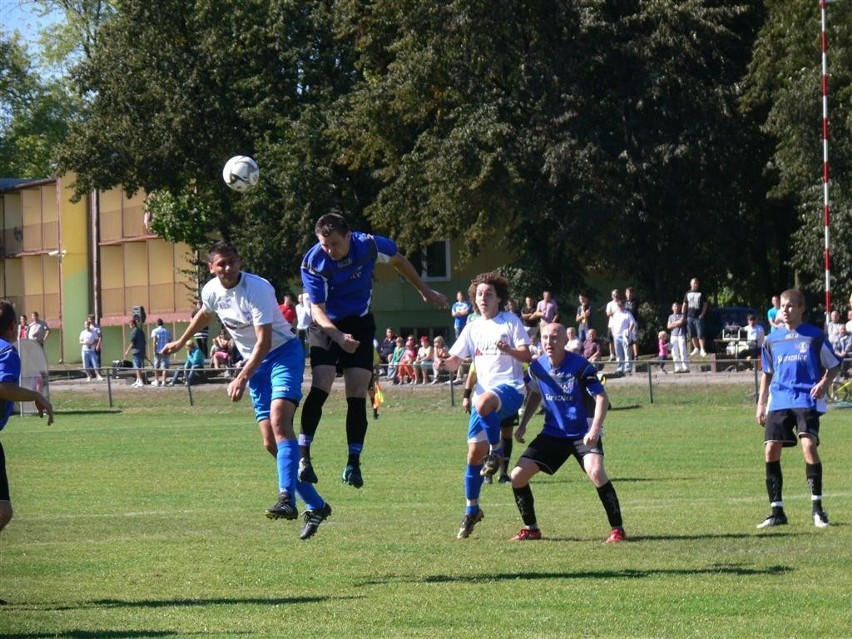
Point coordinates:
[(60, 253)]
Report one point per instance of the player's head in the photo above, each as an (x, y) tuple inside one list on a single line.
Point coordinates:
[(8, 321), (223, 260), (492, 291), (554, 338), (333, 232), (792, 307)]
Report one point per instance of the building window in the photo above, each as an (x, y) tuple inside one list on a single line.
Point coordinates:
[(433, 261)]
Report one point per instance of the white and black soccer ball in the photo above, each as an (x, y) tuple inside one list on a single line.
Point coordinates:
[(241, 173)]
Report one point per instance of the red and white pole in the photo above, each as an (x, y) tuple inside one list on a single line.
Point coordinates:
[(825, 174)]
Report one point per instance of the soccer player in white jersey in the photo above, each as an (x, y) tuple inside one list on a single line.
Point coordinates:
[(498, 344), (274, 368), (798, 368)]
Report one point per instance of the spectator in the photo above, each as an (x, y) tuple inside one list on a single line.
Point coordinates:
[(663, 349), (772, 315), (622, 326), (573, 345), (137, 348), (460, 310), (386, 347), (611, 310), (395, 359), (583, 317), (439, 351), (547, 309), (220, 352), (423, 362), (194, 362), (512, 307), (592, 347), (202, 334), (754, 339), (406, 374), (849, 323), (833, 326), (528, 316), (22, 327), (288, 309), (38, 330), (842, 346), (88, 340), (695, 308), (98, 342), (303, 318), (676, 325), (631, 304), (160, 336)]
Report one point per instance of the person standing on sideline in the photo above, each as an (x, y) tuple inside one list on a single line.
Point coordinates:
[(460, 310), (631, 304), (337, 274), (547, 309), (274, 367), (88, 341), (584, 317), (99, 342), (303, 318), (499, 345), (203, 334), (160, 336), (675, 324), (528, 316), (288, 309), (37, 329), (798, 368), (138, 350), (772, 315), (575, 406), (695, 308), (22, 327), (611, 309), (11, 392)]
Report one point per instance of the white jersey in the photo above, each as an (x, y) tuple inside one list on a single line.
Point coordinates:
[(250, 303), (493, 367)]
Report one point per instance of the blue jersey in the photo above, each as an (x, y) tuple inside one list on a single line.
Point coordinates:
[(345, 286), (796, 360), (568, 394), (10, 373)]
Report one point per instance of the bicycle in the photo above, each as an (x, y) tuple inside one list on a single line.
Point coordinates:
[(840, 391)]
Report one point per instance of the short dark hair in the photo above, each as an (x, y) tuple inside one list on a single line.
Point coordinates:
[(222, 248), (8, 316), (330, 223)]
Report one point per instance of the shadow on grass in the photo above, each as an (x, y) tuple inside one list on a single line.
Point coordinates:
[(739, 570), (626, 407), (88, 411), (105, 634), (175, 603)]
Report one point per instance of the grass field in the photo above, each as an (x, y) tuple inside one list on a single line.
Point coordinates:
[(146, 521)]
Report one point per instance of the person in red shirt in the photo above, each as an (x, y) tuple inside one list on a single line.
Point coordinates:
[(288, 309)]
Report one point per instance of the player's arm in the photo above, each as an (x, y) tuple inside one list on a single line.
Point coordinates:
[(450, 363), (261, 349), (762, 397), (344, 340), (531, 404), (521, 353), (198, 321), (601, 408), (469, 383), (15, 393), (406, 269)]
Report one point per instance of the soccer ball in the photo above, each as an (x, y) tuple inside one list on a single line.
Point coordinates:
[(241, 173)]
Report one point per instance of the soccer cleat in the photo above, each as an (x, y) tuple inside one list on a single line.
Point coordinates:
[(283, 508), (491, 464), (615, 536), (821, 519), (504, 479), (468, 523), (352, 475), (525, 534), (774, 520), (306, 471), (313, 518)]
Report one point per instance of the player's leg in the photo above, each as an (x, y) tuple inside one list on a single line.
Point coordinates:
[(523, 471), (5, 499), (324, 354), (493, 406), (477, 447), (506, 428), (268, 437), (356, 380), (593, 465), (778, 432), (809, 437)]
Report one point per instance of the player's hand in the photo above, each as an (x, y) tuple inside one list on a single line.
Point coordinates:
[(436, 299), (170, 348), (467, 404), (237, 388), (44, 406), (761, 414), (818, 391), (502, 346), (592, 437), (520, 431), (348, 343)]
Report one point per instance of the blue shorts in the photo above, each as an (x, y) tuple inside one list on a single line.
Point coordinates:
[(279, 376), (510, 402), (137, 360)]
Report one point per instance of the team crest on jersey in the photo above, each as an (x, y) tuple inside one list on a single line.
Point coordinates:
[(803, 348)]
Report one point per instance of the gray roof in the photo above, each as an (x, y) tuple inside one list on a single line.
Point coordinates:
[(8, 184)]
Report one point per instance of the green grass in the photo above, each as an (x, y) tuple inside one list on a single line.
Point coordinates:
[(146, 521)]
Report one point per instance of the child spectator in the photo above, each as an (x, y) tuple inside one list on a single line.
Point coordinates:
[(663, 349)]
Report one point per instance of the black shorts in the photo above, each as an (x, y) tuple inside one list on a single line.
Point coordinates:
[(325, 352), (4, 480), (549, 453), (782, 425)]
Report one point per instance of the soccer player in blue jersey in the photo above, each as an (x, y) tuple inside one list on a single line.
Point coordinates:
[(274, 368), (575, 406), (11, 392), (498, 344), (798, 368), (337, 274)]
